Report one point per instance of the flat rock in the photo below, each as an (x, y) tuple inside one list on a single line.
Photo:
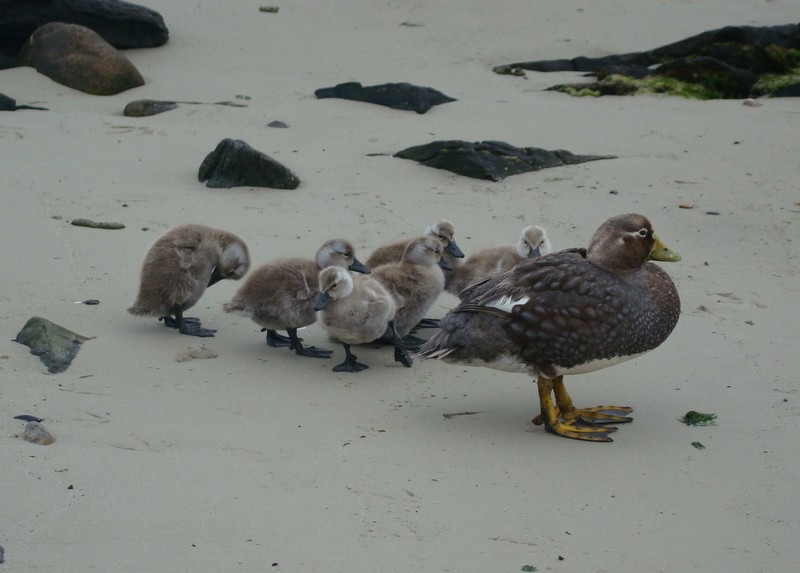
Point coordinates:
[(235, 164), (78, 57), (146, 107), (122, 24), (403, 96), (53, 344), (493, 160)]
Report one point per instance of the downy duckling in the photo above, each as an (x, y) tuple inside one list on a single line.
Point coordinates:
[(441, 229), (570, 312), (356, 310), (280, 295), (415, 282), (533, 242), (180, 266)]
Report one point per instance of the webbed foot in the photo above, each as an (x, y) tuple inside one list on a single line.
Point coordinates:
[(295, 343), (276, 340), (350, 363)]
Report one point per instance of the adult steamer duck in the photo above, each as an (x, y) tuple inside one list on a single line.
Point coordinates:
[(570, 312)]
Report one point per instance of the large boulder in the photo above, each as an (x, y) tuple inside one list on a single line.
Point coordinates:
[(78, 57), (121, 24)]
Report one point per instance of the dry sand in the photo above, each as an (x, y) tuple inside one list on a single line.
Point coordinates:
[(260, 460)]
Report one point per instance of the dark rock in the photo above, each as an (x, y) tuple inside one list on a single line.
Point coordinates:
[(493, 160), (726, 62), (235, 164), (78, 57), (145, 107), (792, 90), (121, 24), (10, 104), (396, 96), (53, 344), (726, 80)]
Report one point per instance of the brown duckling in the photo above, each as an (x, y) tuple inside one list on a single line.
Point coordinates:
[(180, 266), (280, 295), (415, 282), (533, 242), (570, 312), (356, 310)]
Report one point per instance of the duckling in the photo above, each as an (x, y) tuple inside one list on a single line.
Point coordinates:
[(281, 294), (570, 312), (356, 310), (441, 229), (180, 266), (533, 242), (415, 282)]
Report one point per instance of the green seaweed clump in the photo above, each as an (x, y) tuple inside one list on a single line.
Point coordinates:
[(770, 83), (693, 418)]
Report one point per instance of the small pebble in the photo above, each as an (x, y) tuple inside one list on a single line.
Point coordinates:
[(712, 212), (269, 9), (750, 102), (686, 206), (97, 224), (277, 123), (37, 434)]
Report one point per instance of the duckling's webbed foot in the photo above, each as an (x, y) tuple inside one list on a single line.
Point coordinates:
[(350, 363), (276, 340), (401, 353), (402, 356), (172, 323), (188, 325), (307, 351), (428, 323)]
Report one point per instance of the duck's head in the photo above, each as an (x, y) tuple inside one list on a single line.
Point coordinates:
[(445, 232), (425, 251), (533, 242), (339, 253), (625, 242), (233, 263), (334, 283)]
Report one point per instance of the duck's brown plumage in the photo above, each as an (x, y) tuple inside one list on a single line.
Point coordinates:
[(568, 312)]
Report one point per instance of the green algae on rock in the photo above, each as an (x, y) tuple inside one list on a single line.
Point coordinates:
[(53, 344)]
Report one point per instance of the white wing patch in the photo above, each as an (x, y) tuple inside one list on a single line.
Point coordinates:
[(506, 303)]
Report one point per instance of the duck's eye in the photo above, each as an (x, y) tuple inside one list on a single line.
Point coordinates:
[(642, 232)]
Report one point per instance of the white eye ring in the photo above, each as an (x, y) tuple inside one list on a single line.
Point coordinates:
[(642, 232)]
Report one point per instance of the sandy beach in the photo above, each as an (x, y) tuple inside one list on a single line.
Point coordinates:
[(261, 460)]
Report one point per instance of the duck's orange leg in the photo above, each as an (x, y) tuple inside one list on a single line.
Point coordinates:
[(573, 426)]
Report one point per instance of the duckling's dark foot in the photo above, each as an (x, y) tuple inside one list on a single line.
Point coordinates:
[(172, 323), (411, 342), (276, 340), (308, 351), (402, 356), (350, 363), (196, 330), (428, 323)]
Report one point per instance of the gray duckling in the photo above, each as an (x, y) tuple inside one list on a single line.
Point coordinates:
[(356, 310), (415, 282), (533, 242), (280, 295)]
